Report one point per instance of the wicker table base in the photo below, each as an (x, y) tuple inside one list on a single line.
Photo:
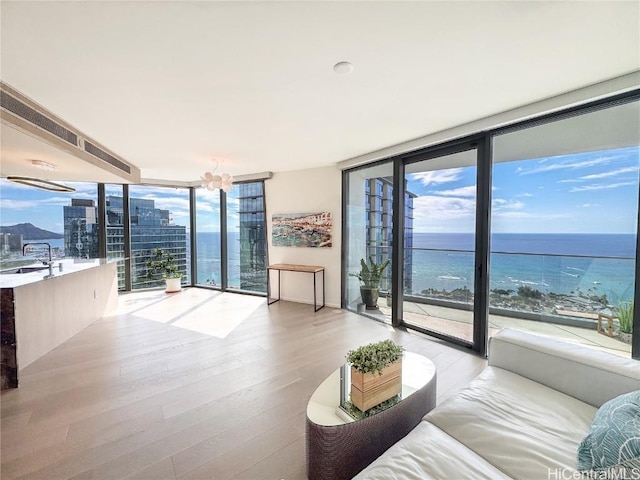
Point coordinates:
[(339, 452)]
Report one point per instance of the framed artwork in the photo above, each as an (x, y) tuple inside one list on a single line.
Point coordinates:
[(301, 229)]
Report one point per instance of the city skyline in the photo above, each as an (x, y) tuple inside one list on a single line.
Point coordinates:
[(23, 204)]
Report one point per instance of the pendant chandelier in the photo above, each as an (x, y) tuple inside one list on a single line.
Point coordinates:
[(42, 183), (211, 181)]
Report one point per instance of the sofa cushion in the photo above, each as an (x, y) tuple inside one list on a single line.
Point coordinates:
[(613, 442), (523, 428), (576, 368), (427, 453)]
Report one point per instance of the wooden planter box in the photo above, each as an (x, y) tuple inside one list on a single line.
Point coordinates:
[(371, 389)]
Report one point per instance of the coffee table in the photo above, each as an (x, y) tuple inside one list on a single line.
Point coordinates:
[(339, 446)]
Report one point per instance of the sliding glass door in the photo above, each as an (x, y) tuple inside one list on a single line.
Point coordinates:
[(532, 226), (439, 239)]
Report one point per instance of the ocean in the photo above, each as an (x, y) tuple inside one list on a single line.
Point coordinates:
[(560, 263), (593, 264)]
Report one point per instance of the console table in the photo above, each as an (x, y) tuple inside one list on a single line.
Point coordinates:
[(295, 268)]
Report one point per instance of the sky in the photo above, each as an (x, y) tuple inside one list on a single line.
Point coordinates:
[(594, 192), (22, 204)]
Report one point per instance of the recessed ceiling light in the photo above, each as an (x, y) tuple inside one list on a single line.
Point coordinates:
[(343, 68)]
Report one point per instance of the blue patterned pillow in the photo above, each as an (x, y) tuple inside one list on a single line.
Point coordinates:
[(613, 443)]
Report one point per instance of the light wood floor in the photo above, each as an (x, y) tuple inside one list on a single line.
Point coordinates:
[(193, 385)]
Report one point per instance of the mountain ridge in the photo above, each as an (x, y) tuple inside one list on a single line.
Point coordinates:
[(30, 231)]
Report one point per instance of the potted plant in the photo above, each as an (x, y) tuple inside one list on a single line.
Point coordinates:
[(376, 373), (624, 311), (370, 275), (164, 264)]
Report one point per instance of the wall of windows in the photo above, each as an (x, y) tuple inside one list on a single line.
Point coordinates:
[(541, 236), (230, 235)]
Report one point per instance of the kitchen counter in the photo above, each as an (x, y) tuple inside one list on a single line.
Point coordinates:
[(69, 265), (39, 311)]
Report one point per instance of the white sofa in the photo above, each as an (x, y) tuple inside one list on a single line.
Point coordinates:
[(523, 417)]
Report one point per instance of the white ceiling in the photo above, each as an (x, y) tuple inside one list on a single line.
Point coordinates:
[(171, 85)]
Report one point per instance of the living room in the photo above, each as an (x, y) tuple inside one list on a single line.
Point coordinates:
[(321, 100)]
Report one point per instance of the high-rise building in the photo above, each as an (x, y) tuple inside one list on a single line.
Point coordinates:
[(379, 223), (81, 238), (253, 240), (150, 227)]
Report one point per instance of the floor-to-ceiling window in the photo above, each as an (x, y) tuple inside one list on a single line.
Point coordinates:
[(564, 226), (559, 234), (246, 237), (159, 218), (368, 235), (208, 238), (115, 226)]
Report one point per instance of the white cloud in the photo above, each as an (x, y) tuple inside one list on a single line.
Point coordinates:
[(11, 204), (525, 194), (469, 191), (611, 173), (508, 204), (566, 166), (438, 177), (603, 186), (570, 180), (588, 205), (520, 214), (431, 206)]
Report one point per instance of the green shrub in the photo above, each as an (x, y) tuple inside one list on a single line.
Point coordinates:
[(624, 311), (374, 357)]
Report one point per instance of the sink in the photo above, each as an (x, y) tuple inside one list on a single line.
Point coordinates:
[(14, 271)]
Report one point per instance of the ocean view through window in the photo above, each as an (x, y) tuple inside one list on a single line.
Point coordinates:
[(558, 240)]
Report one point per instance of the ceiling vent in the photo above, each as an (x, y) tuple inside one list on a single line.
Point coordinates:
[(110, 159), (34, 117), (26, 115)]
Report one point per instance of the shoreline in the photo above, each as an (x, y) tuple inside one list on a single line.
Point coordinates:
[(531, 300)]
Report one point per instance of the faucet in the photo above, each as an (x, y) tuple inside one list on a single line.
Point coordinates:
[(24, 249)]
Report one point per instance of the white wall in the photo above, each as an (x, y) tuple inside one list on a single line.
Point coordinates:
[(307, 191)]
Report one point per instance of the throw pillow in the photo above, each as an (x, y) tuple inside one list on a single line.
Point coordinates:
[(612, 446)]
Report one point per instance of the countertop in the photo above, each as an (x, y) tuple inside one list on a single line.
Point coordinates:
[(69, 265)]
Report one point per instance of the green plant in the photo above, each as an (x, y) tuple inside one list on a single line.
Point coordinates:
[(162, 263), (374, 357), (370, 275), (624, 311)]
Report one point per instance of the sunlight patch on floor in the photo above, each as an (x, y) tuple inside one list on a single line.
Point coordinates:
[(162, 307), (219, 316)]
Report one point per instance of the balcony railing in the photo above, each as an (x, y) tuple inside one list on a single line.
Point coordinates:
[(531, 285)]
